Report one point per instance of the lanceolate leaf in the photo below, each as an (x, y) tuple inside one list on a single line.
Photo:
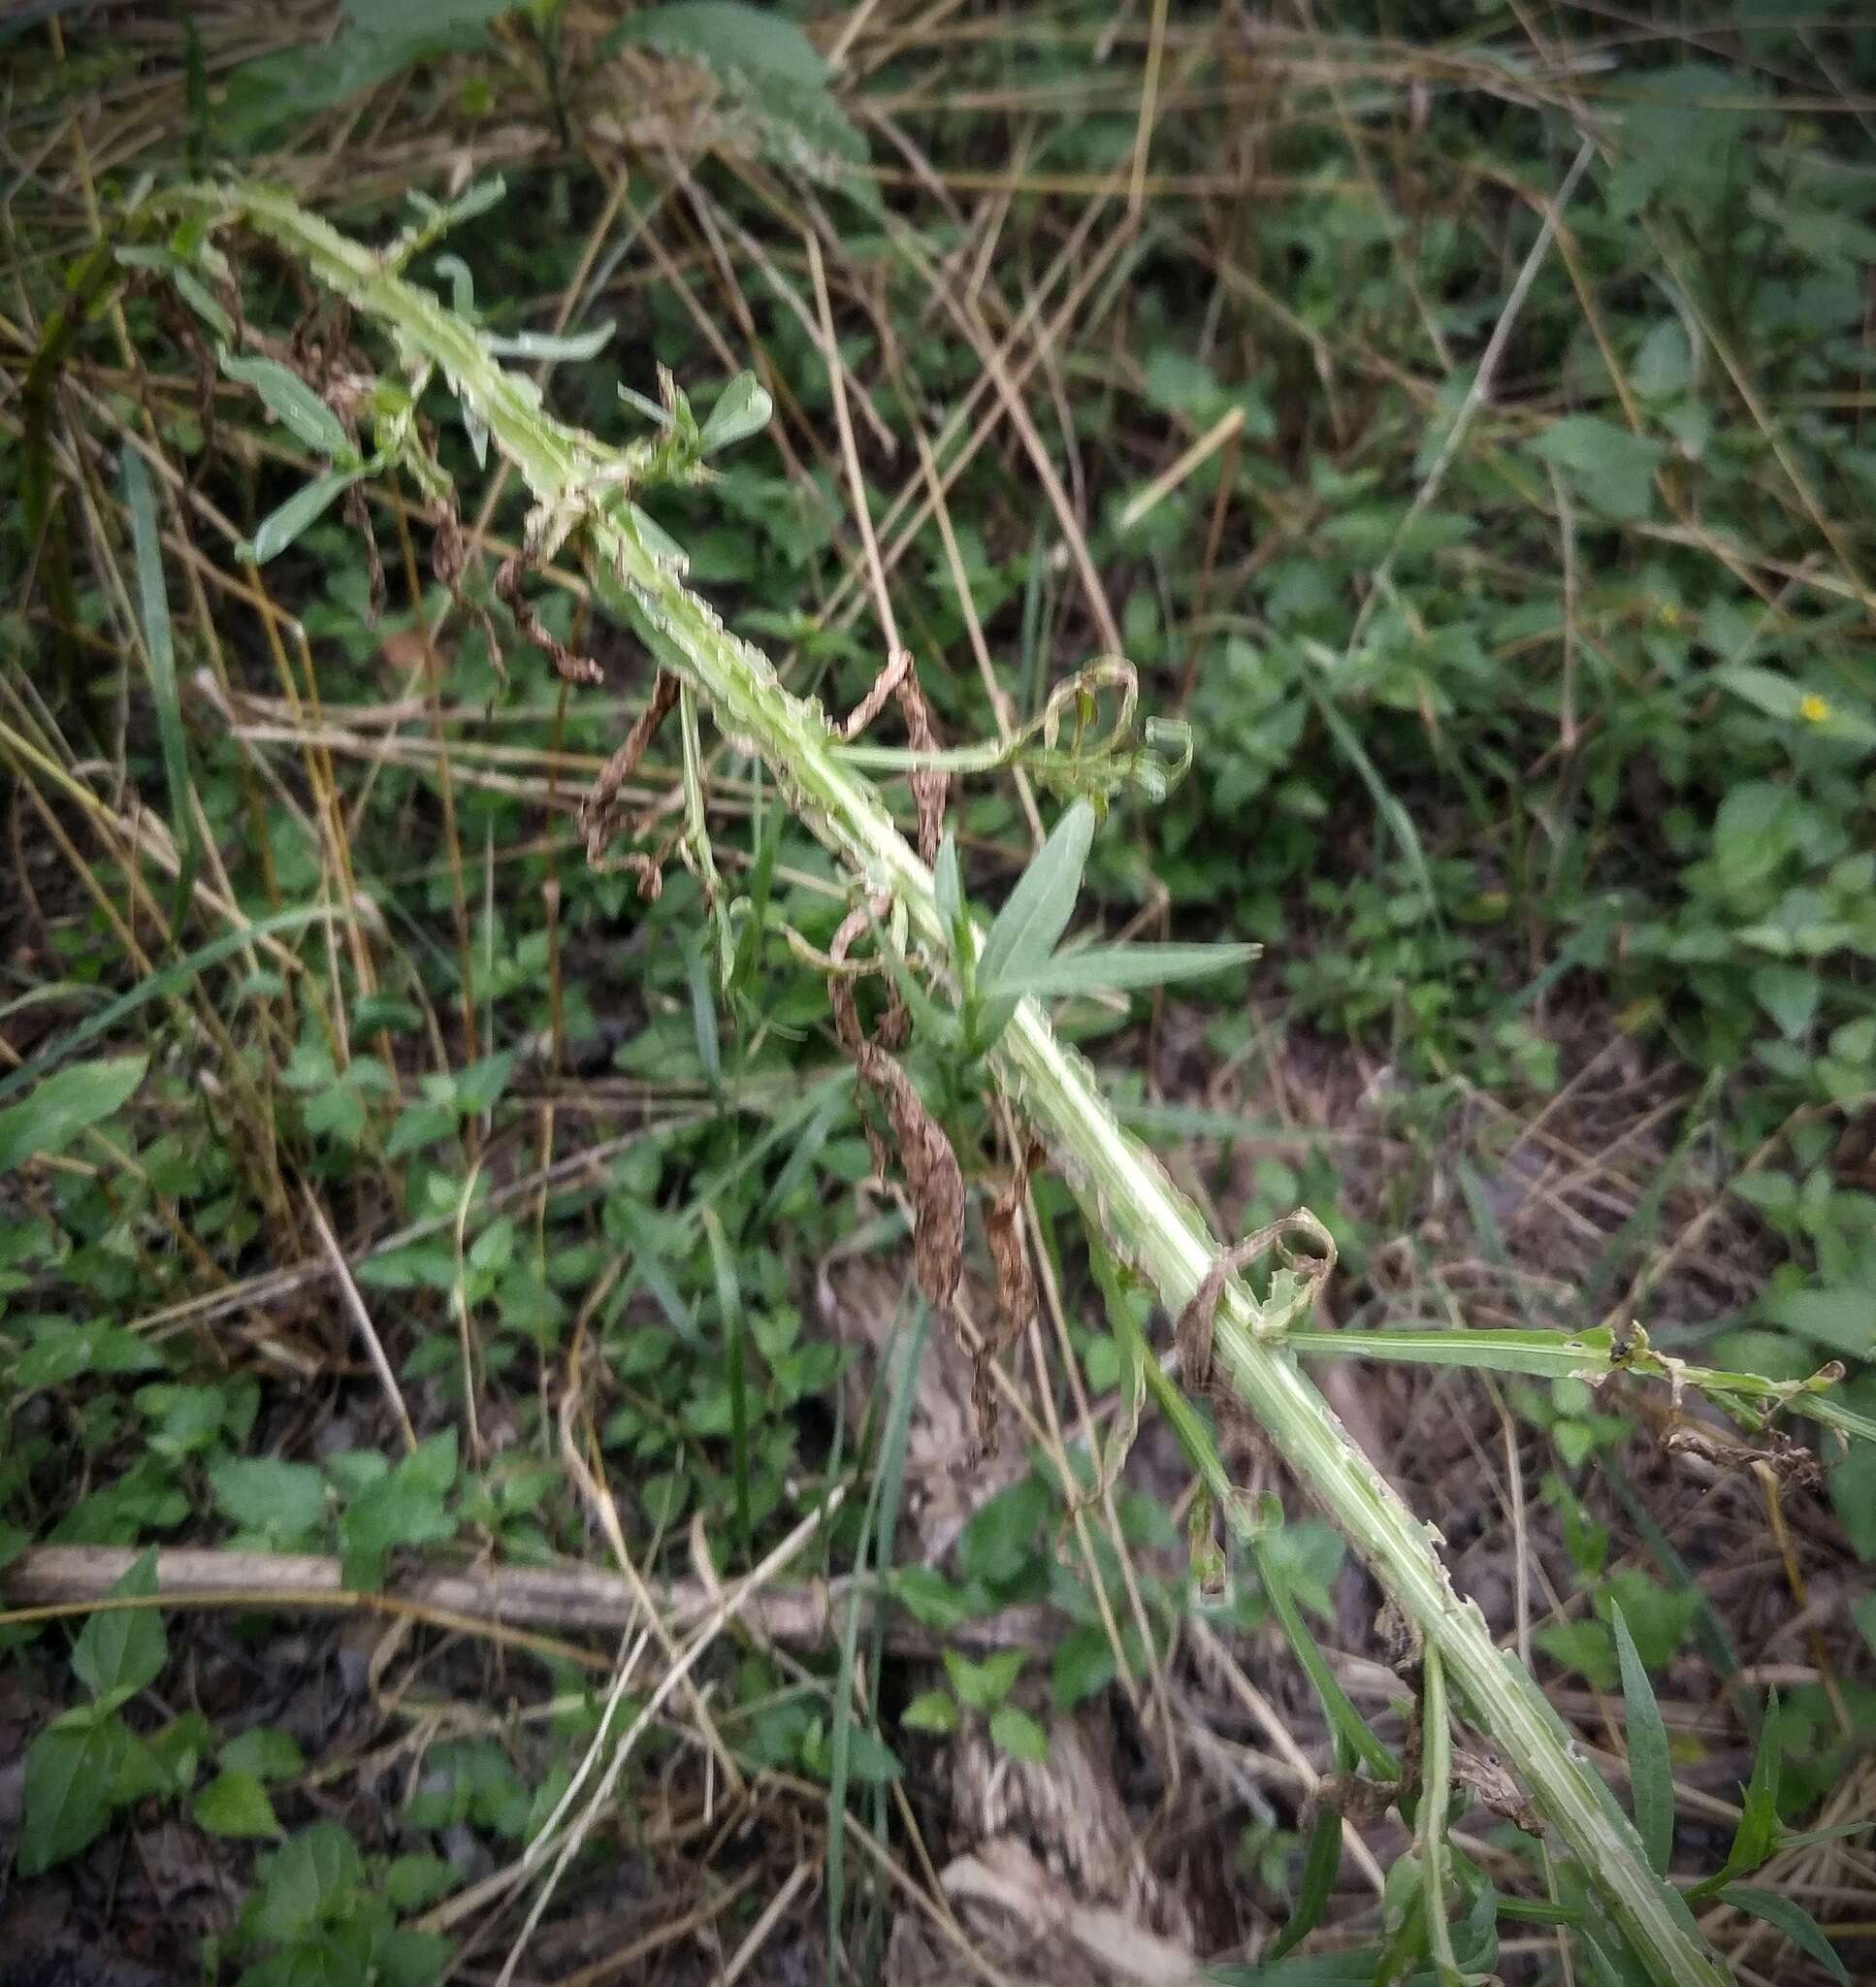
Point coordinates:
[(293, 404), (299, 513), (1037, 914), (1651, 1782), (1123, 968)]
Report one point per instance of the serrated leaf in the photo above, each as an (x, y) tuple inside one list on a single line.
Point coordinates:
[(122, 1650), (743, 408), (297, 515), (1037, 912), (293, 404), (235, 1805), (64, 1104), (1123, 968), (1651, 1782), (1017, 1733)]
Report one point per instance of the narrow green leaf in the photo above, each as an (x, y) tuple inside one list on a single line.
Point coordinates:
[(1651, 1780), (1756, 1835), (1121, 968), (1791, 1919), (1321, 1860), (64, 1105), (948, 884), (293, 405), (575, 345), (159, 648), (171, 979), (1036, 913), (299, 513), (729, 1308)]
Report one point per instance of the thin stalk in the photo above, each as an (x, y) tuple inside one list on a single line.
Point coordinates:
[(1148, 1220)]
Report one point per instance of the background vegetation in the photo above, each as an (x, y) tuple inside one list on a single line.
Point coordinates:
[(1457, 417)]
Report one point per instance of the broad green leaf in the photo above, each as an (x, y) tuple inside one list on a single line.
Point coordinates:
[(1123, 968), (72, 1771), (1036, 913), (301, 81), (1841, 1320), (1651, 1784), (1083, 1663), (63, 1351), (1017, 1733), (743, 408), (982, 1686), (1832, 714), (235, 1805), (122, 1650), (293, 405), (1613, 469), (1665, 364), (725, 35), (414, 1881), (307, 1879), (1790, 994), (1791, 1919), (159, 648), (265, 1752), (63, 1106), (299, 513), (931, 1711), (404, 1507)]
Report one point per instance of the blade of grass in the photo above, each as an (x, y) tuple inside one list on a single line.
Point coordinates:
[(1650, 1780), (729, 1306), (159, 655)]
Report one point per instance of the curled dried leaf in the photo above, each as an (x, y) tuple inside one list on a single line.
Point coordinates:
[(575, 668), (934, 1180), (1192, 1333), (898, 678), (599, 810), (1016, 1288), (1496, 1789), (1351, 1796), (1791, 1462)]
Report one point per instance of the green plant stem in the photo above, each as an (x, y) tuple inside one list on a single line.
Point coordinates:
[(1146, 1220)]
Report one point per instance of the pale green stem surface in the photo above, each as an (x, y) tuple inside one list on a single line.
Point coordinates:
[(1146, 1220)]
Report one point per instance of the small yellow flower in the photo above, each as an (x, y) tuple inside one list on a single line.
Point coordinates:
[(1814, 710), (1669, 613)]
